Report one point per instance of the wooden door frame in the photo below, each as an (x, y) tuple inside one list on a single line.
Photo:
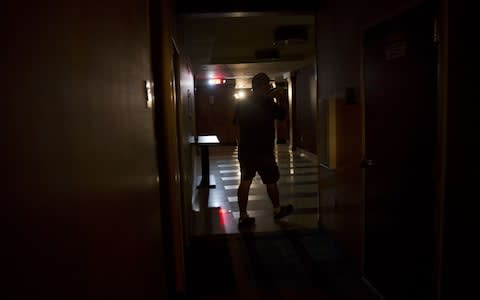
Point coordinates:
[(166, 135)]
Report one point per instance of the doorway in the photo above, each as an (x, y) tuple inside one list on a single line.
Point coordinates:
[(400, 82)]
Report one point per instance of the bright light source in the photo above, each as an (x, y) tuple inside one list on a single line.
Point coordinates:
[(240, 95), (214, 81)]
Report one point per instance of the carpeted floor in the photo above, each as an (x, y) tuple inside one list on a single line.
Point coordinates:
[(291, 260)]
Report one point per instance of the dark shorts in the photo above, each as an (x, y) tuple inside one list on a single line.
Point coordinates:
[(265, 166)]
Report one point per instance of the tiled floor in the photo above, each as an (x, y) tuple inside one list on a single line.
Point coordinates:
[(287, 259), (216, 210)]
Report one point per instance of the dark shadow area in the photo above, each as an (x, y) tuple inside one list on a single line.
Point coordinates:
[(306, 260)]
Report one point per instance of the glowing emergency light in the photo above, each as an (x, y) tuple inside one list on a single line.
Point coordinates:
[(214, 81)]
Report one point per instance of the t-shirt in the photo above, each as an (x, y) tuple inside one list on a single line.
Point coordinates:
[(255, 118)]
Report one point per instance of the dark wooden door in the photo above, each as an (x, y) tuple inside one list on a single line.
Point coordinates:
[(400, 60)]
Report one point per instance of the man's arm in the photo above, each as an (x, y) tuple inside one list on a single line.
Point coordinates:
[(281, 106)]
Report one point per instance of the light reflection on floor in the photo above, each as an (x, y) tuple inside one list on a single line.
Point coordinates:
[(216, 209)]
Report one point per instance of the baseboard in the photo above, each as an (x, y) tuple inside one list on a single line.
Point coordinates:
[(324, 166), (373, 289), (313, 157)]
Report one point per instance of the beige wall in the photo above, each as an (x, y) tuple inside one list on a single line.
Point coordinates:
[(81, 196)]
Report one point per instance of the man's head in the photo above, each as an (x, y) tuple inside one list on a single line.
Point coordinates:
[(261, 83)]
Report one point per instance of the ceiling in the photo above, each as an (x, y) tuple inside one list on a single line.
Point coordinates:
[(224, 45)]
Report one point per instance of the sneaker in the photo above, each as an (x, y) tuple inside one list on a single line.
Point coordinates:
[(284, 211), (246, 221)]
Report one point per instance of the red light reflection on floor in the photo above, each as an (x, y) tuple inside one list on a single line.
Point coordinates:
[(221, 216)]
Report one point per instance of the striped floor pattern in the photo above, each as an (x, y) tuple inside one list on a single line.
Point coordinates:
[(302, 183)]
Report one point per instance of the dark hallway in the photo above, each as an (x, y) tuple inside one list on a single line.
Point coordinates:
[(283, 265), (104, 106)]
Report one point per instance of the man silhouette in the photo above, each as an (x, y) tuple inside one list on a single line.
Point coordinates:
[(255, 119)]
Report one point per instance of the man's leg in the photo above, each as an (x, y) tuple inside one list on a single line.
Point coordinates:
[(247, 171), (272, 191), (278, 211), (270, 175), (242, 195)]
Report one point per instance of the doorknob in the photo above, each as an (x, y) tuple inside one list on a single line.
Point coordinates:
[(367, 163)]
